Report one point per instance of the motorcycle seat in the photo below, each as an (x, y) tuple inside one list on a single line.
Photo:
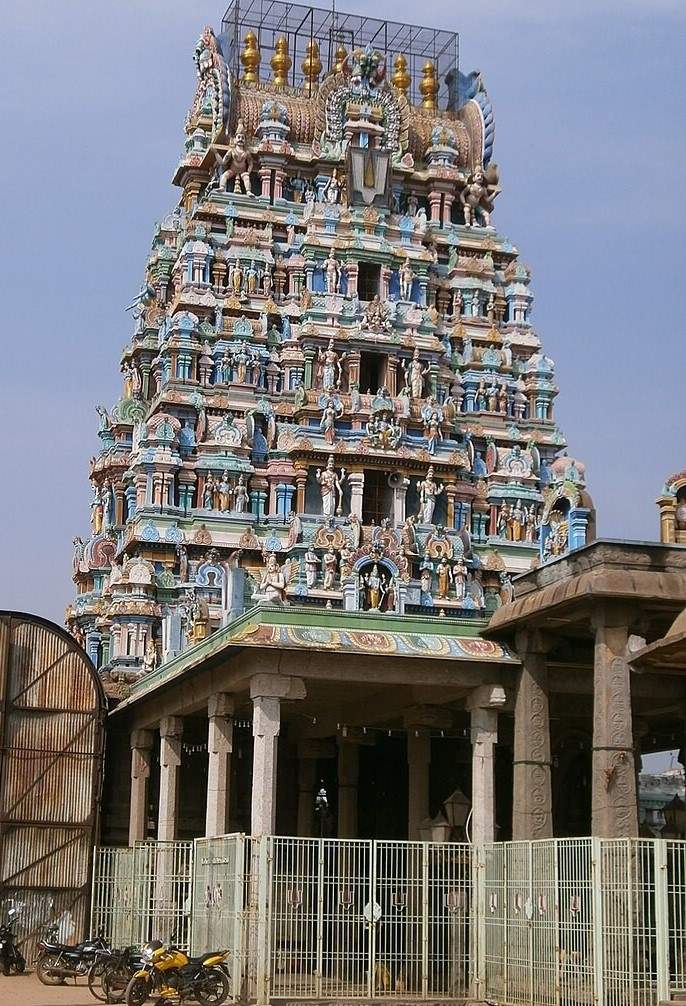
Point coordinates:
[(205, 957)]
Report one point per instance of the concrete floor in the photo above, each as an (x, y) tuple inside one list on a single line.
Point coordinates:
[(26, 990)]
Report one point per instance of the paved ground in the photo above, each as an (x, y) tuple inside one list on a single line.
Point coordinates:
[(26, 990)]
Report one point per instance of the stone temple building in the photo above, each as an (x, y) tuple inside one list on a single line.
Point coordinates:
[(334, 448)]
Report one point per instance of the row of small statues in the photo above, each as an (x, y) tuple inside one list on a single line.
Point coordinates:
[(225, 496), (516, 522), (241, 365)]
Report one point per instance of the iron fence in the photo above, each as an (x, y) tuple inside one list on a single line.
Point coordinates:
[(552, 923)]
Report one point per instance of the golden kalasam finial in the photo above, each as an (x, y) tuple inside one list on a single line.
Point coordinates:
[(281, 62), (341, 56), (311, 66), (428, 86), (250, 58), (401, 75)]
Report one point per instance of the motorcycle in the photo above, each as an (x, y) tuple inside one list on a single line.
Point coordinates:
[(169, 973), (58, 961), (111, 973), (10, 956)]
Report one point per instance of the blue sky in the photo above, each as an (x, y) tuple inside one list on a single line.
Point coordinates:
[(590, 141)]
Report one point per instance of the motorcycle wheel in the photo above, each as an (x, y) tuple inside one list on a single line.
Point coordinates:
[(212, 987), (137, 991), (6, 969), (44, 965), (96, 988), (114, 982), (19, 964)]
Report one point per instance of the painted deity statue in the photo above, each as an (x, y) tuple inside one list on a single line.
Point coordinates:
[(375, 588), (329, 569), (333, 273), (331, 488), (406, 279), (311, 564), (478, 195), (330, 362), (236, 164), (274, 581), (415, 374), (429, 491), (241, 499)]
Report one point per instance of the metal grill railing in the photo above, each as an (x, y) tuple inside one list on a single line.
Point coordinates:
[(564, 922)]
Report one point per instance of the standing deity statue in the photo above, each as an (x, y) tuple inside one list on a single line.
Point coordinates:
[(355, 531), (251, 278), (311, 564), (236, 164), (518, 521), (332, 409), (415, 374), (96, 510), (331, 192), (459, 577), (333, 273), (241, 498), (236, 278), (406, 279), (375, 588), (503, 523), (267, 280), (330, 363), (224, 488), (444, 577), (240, 359), (329, 569), (429, 491), (331, 488), (208, 493), (531, 523)]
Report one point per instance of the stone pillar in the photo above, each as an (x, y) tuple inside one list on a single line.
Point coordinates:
[(300, 487), (419, 761), (399, 484), (483, 704), (141, 747), (171, 730), (219, 748), (348, 771), (614, 802), (532, 809), (356, 481), (266, 692)]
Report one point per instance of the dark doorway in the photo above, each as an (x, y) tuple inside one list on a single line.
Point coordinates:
[(377, 501), (368, 280), (372, 369)]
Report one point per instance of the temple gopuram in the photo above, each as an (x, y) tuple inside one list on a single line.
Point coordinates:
[(334, 395), (337, 544)]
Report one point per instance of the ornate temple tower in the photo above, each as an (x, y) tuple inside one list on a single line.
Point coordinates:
[(333, 395)]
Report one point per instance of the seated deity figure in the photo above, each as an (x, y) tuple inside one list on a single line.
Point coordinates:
[(331, 488), (429, 491)]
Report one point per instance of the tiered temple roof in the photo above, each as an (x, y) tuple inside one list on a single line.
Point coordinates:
[(334, 396)]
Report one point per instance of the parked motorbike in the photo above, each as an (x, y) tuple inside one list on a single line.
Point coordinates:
[(169, 972), (58, 961), (10, 956), (111, 973)]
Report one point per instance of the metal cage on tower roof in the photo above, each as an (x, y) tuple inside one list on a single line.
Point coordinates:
[(323, 40)]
